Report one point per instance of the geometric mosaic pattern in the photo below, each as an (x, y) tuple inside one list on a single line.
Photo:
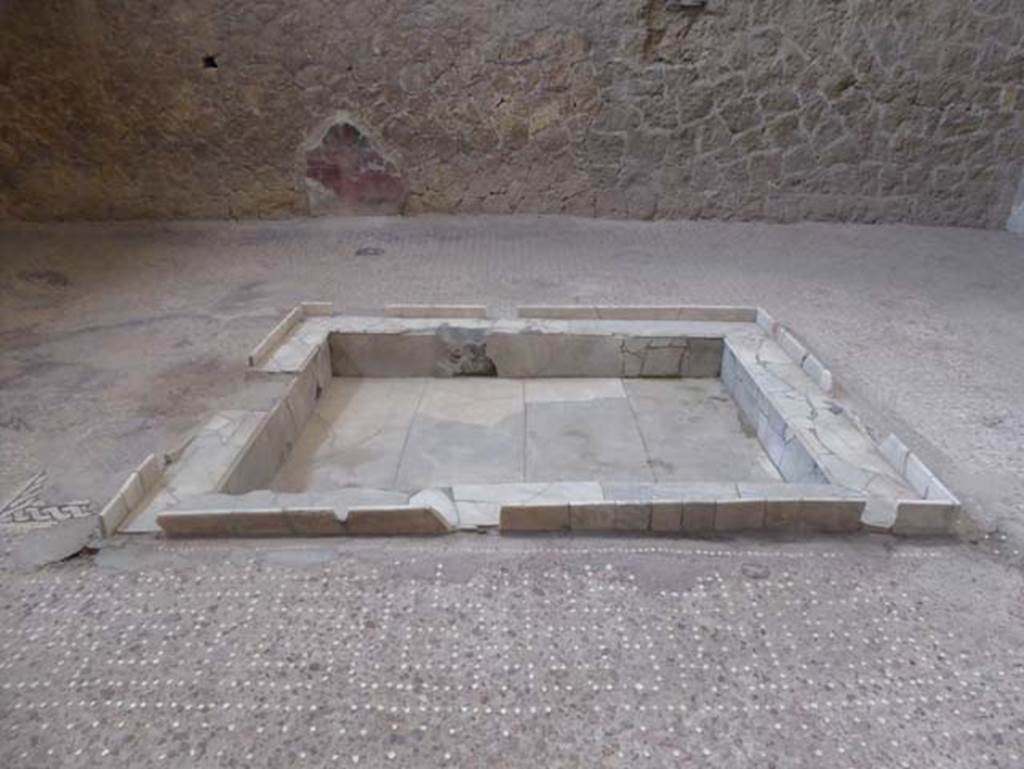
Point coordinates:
[(27, 506)]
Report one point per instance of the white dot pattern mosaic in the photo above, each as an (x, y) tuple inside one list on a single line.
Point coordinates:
[(491, 652)]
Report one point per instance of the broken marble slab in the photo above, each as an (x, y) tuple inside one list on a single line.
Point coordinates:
[(38, 547), (439, 500), (479, 505)]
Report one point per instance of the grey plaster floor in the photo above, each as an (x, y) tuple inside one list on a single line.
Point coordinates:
[(118, 340), (415, 433)]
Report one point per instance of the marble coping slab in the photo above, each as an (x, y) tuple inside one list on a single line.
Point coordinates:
[(783, 392), (280, 332), (518, 341), (436, 310), (386, 520), (699, 509), (700, 312), (286, 348)]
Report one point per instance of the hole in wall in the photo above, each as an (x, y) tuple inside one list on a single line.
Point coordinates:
[(210, 61), (471, 360)]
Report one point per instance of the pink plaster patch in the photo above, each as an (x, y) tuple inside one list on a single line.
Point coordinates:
[(348, 165)]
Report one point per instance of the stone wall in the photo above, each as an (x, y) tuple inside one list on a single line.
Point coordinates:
[(860, 110)]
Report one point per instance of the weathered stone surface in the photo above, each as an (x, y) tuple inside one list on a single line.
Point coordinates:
[(535, 517), (924, 518), (739, 515), (830, 514), (610, 516), (698, 516), (314, 523), (775, 110), (251, 522), (398, 520), (667, 516), (198, 524), (592, 516), (55, 542)]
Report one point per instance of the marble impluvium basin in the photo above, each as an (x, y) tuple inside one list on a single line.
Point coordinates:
[(676, 420)]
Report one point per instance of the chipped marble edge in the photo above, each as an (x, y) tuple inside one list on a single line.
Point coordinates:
[(137, 487), (201, 465), (279, 333), (936, 511), (583, 506), (915, 472), (890, 508)]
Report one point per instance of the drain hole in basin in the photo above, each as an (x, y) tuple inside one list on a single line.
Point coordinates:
[(471, 360)]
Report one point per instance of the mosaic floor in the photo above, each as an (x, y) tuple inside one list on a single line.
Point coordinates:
[(499, 652)]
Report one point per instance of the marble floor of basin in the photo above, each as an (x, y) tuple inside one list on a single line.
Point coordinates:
[(415, 433)]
